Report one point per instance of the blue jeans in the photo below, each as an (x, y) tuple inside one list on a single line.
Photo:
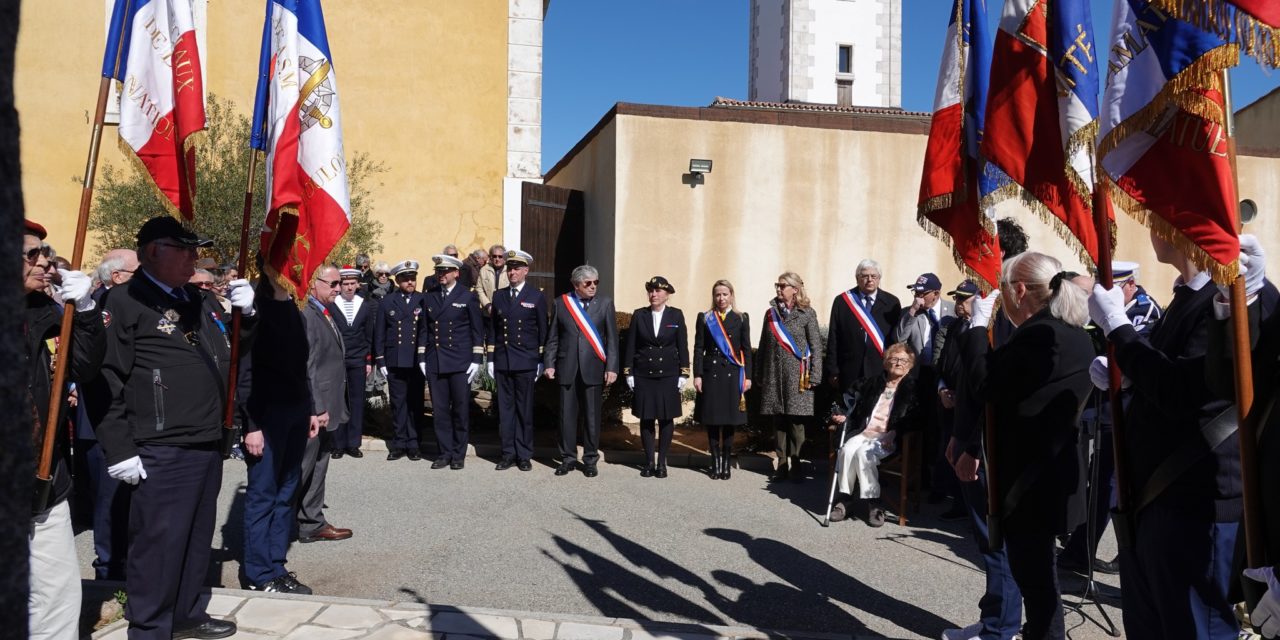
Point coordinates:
[(1000, 608), (268, 501)]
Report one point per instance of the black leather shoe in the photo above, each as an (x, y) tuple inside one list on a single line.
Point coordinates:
[(1110, 568), (336, 454), (589, 470), (779, 475), (355, 453), (525, 465), (440, 463), (661, 471), (503, 465), (208, 631), (395, 454), (415, 456), (458, 464), (565, 467), (646, 471)]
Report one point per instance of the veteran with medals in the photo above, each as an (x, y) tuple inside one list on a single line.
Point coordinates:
[(656, 366), (721, 374), (449, 352), (395, 346), (517, 333), (790, 350)]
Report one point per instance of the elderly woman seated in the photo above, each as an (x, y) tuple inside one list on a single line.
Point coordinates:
[(873, 411)]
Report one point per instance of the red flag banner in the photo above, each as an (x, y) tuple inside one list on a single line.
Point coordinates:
[(1252, 24)]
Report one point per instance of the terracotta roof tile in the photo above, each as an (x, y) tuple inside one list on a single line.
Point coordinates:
[(730, 103)]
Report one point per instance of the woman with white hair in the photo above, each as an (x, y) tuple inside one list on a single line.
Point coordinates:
[(1036, 385), (381, 284)]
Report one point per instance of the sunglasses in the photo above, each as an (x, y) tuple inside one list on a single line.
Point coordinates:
[(498, 256), (781, 285), (31, 254), (333, 284), (203, 285), (589, 283)]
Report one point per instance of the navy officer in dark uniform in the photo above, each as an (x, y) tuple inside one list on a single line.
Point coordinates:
[(516, 335), (395, 352), (450, 348), (656, 366), (166, 368)]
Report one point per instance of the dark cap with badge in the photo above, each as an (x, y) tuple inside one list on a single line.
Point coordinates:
[(659, 282), (926, 282), (966, 289), (168, 228)]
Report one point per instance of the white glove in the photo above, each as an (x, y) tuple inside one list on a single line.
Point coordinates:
[(383, 371), (983, 308), (631, 383), (240, 293), (1101, 375), (681, 382), (489, 369), (1266, 616), (1253, 265), (1106, 308), (422, 366), (129, 471), (538, 375), (75, 288), (473, 370)]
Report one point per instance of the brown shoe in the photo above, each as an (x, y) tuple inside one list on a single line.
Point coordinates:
[(327, 532)]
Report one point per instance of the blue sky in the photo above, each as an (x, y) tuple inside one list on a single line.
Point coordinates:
[(687, 52)]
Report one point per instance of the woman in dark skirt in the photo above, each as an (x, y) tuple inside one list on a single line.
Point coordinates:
[(656, 365), (721, 374)]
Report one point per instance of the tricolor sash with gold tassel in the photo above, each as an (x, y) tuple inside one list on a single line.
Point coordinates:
[(784, 338), (715, 325)]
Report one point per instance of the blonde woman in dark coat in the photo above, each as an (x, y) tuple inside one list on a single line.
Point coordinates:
[(721, 374), (789, 354)]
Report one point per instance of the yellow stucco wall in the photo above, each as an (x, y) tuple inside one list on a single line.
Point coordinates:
[(423, 85), (810, 200)]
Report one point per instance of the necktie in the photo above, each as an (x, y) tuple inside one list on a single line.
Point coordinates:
[(927, 356), (180, 294)]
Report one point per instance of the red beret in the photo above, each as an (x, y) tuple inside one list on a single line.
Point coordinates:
[(34, 228)]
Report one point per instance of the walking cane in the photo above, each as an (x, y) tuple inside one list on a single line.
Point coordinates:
[(835, 475)]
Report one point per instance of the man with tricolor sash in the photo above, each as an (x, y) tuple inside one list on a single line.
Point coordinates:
[(582, 357), (864, 320)]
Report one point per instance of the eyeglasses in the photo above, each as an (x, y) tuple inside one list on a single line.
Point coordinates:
[(180, 247), (207, 284), (31, 254), (589, 283), (868, 276), (333, 284), (781, 285), (383, 273), (497, 256), (898, 360)]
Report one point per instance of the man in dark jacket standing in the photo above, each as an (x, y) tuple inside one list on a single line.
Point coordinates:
[(451, 344), (354, 316), (517, 332), (395, 352), (166, 367), (864, 321)]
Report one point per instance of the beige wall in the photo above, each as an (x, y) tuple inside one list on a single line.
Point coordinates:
[(425, 92), (1258, 124), (814, 201)]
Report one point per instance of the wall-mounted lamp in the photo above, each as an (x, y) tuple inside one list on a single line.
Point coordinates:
[(697, 172)]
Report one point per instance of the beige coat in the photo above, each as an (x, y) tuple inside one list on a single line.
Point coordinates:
[(487, 286)]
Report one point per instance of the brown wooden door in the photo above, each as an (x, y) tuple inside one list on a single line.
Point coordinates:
[(551, 230)]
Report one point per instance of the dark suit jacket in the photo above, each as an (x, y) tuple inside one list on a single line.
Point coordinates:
[(570, 353), (326, 370), (357, 336), (450, 335), (849, 355), (663, 355), (517, 329), (1037, 384), (395, 330)]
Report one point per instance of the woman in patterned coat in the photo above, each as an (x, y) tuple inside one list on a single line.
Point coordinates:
[(790, 349)]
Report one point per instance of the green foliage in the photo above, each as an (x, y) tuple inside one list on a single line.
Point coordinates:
[(124, 199)]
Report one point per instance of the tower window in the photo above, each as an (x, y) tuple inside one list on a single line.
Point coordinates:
[(845, 64)]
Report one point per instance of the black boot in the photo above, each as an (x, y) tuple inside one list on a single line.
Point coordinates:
[(724, 465), (714, 471)]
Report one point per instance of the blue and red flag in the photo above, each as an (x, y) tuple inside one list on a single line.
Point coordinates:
[(151, 53), (1041, 123), (1163, 139), (956, 180), (1252, 24), (296, 121)]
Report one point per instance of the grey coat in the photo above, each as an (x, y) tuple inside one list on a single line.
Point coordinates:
[(778, 375), (326, 368)]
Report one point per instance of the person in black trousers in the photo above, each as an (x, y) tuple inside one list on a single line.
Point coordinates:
[(355, 317), (1036, 384), (395, 344), (721, 374), (517, 331), (656, 366)]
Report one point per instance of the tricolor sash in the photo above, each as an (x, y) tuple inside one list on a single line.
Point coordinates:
[(868, 323), (715, 326), (579, 315), (784, 338)]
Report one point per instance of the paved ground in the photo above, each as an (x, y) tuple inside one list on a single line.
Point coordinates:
[(681, 550)]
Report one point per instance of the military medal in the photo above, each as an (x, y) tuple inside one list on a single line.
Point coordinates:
[(166, 326)]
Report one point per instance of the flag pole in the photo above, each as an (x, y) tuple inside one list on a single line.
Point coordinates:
[(237, 316), (1243, 360), (44, 466)]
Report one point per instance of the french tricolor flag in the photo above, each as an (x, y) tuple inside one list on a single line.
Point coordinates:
[(956, 179), (1041, 123), (296, 121), (151, 53), (1163, 139)]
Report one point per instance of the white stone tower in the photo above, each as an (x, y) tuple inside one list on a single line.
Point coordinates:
[(846, 52)]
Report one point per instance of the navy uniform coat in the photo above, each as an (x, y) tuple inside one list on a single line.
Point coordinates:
[(357, 335), (450, 336), (570, 353), (395, 330), (518, 330), (663, 355)]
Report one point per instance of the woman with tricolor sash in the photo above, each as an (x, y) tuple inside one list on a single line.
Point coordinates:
[(790, 348), (721, 374)]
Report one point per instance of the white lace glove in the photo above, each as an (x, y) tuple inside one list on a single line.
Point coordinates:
[(129, 471), (631, 383), (681, 382), (983, 309), (1101, 376), (1106, 308), (473, 370), (75, 288), (240, 293), (488, 368), (1266, 616)]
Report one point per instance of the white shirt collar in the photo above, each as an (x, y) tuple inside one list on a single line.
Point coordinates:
[(1197, 282)]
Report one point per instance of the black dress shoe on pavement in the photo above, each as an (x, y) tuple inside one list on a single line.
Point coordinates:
[(458, 464), (1110, 568), (525, 465), (503, 465), (589, 470), (646, 471), (208, 630), (956, 512), (440, 463), (779, 475), (337, 454), (355, 453), (395, 454), (565, 467), (661, 471), (415, 456)]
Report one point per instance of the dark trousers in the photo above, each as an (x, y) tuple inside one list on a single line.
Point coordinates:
[(310, 494), (171, 521), (1034, 564), (515, 413), (268, 500), (1000, 607), (588, 397), (405, 386), (451, 408), (1175, 577), (348, 435), (1101, 513), (657, 432), (789, 433), (943, 474), (720, 439), (110, 514)]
